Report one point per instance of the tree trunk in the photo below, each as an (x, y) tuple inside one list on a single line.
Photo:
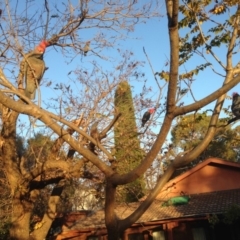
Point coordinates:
[(21, 206), (45, 225), (113, 234), (21, 217), (111, 220)]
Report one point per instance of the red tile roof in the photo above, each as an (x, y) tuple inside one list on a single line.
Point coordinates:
[(198, 205)]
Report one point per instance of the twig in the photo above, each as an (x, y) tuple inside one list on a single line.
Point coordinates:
[(151, 68), (47, 21), (208, 46), (104, 132)]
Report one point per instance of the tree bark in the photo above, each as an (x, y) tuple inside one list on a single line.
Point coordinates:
[(46, 222), (111, 220), (22, 207), (21, 217)]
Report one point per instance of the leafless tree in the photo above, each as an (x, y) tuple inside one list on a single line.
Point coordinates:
[(69, 117)]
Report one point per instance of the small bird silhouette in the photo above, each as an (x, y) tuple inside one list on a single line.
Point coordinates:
[(236, 104), (33, 68), (235, 107), (86, 48), (146, 115)]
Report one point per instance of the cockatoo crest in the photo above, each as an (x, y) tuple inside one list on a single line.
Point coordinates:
[(151, 110), (42, 46)]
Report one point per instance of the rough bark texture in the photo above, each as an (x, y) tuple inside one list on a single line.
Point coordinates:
[(111, 220), (25, 183)]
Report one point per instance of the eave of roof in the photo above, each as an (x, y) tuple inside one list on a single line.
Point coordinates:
[(209, 161), (200, 205)]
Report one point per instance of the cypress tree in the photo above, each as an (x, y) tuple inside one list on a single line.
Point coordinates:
[(128, 153)]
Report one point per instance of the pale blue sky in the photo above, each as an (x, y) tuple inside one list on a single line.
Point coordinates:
[(153, 36)]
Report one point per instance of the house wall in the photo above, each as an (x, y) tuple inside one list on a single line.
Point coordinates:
[(183, 231), (209, 178)]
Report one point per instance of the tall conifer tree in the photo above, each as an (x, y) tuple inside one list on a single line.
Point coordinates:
[(128, 152)]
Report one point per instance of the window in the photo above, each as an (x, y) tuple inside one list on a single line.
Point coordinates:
[(158, 235), (198, 234)]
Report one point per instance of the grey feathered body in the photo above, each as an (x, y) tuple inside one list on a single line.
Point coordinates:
[(145, 118), (236, 105), (34, 70)]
